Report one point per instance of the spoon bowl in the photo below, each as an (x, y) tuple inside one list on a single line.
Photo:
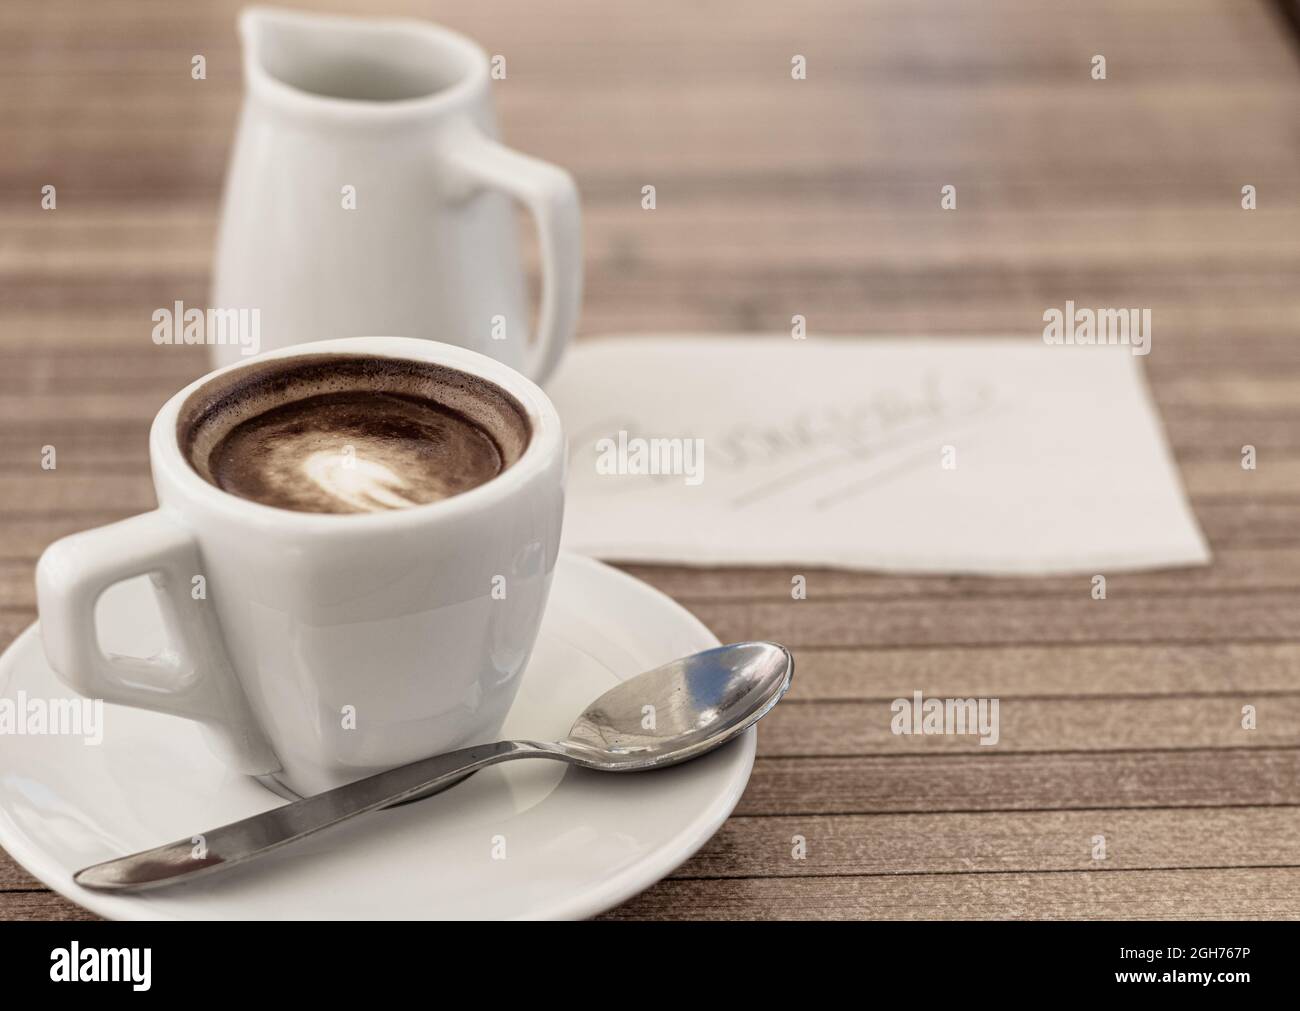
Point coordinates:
[(681, 710)]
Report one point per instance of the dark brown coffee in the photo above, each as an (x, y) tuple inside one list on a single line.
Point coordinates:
[(349, 433)]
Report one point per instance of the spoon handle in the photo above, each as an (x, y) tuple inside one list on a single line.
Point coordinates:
[(239, 841)]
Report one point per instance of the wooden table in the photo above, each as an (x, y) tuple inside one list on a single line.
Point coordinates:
[(818, 197)]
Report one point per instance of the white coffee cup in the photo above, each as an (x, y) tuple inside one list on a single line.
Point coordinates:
[(323, 647), (368, 193)]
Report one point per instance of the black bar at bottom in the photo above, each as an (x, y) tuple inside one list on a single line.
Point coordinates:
[(653, 960)]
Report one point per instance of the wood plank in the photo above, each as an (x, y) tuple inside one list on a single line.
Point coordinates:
[(1232, 569), (57, 490), (679, 124), (989, 843), (1255, 521), (1206, 433), (1235, 894), (14, 878), (1032, 725), (143, 245), (1145, 669), (1241, 617), (1156, 41), (945, 296), (956, 782), (40, 905)]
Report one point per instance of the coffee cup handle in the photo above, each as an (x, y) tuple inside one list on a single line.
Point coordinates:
[(551, 197), (192, 677)]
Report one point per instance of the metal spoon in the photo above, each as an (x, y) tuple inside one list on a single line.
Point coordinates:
[(667, 715)]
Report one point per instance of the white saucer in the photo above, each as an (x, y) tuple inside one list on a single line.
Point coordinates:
[(575, 842)]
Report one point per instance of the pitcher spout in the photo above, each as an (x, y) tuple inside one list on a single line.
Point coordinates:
[(355, 64)]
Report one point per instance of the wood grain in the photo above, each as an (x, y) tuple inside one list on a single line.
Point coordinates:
[(978, 781), (1119, 718), (854, 845), (1203, 893)]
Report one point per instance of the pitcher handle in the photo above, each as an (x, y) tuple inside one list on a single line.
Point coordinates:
[(551, 197)]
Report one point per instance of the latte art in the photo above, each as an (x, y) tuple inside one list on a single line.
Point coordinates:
[(354, 452), (365, 485), (352, 435)]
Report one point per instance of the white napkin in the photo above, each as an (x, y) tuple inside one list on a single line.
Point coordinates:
[(961, 456)]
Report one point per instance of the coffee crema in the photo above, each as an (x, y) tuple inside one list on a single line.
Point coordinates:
[(350, 433)]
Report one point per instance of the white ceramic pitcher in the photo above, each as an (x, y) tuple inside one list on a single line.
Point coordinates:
[(367, 193)]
